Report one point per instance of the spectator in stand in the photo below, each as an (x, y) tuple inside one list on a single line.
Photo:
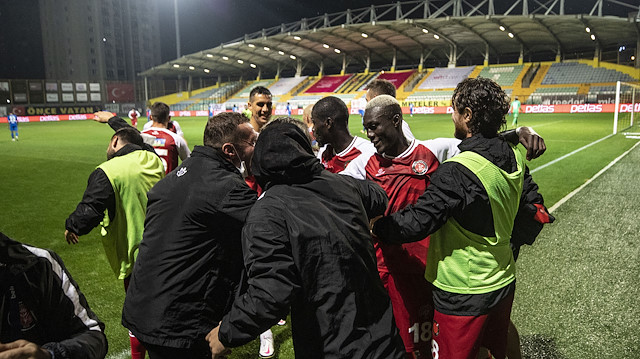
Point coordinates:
[(307, 247), (168, 145), (384, 87), (133, 115), (13, 125), (190, 259), (43, 314), (116, 198)]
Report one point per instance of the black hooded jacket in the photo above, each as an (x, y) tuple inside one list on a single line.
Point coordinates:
[(190, 259), (307, 248), (41, 303)]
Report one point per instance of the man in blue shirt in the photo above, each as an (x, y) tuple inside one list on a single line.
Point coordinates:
[(13, 125)]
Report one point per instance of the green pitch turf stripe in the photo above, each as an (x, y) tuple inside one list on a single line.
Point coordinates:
[(575, 191), (570, 153)]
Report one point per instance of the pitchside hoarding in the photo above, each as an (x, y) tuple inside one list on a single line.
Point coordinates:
[(62, 113)]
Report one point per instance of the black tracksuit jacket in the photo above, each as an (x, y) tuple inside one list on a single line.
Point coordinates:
[(41, 303)]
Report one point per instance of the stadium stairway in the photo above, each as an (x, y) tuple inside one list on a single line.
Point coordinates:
[(476, 72)]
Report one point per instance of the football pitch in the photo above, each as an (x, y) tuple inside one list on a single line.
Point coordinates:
[(577, 293)]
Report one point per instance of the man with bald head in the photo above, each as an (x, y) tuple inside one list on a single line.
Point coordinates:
[(330, 119)]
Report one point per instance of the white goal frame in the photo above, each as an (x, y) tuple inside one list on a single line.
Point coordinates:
[(625, 119)]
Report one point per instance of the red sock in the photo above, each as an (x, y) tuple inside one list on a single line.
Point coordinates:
[(137, 349)]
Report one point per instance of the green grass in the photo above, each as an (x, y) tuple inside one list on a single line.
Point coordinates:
[(576, 296)]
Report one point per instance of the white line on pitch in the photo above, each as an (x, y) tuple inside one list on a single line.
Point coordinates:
[(575, 191), (569, 154)]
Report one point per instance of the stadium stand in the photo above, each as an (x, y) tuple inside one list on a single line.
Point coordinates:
[(244, 93), (328, 84), (443, 77), (396, 78), (285, 85), (503, 75), (574, 73)]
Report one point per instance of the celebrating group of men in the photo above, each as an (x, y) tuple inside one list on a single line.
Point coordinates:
[(249, 228)]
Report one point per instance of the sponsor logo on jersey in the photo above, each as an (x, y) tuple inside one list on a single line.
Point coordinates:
[(181, 171), (380, 172), (159, 142), (436, 328), (27, 319), (419, 167)]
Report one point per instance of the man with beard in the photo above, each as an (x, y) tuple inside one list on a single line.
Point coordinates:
[(190, 259)]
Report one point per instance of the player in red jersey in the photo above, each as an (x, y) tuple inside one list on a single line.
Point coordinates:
[(330, 118), (133, 115), (403, 168), (168, 145)]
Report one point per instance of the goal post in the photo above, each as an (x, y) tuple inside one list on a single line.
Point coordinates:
[(627, 106)]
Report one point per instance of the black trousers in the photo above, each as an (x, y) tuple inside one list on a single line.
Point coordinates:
[(199, 351)]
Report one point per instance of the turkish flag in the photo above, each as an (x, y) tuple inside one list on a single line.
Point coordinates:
[(120, 92)]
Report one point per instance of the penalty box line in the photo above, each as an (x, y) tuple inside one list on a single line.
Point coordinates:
[(575, 191), (569, 154)]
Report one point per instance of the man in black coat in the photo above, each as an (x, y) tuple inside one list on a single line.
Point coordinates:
[(190, 259), (307, 248), (43, 313)]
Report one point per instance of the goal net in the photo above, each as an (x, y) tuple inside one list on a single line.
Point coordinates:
[(627, 111)]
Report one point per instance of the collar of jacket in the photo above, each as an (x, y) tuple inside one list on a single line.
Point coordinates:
[(215, 154), (14, 258), (128, 148), (495, 149)]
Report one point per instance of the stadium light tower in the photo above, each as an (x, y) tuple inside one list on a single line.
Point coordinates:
[(175, 11)]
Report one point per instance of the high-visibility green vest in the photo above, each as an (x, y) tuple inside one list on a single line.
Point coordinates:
[(463, 262), (131, 177)]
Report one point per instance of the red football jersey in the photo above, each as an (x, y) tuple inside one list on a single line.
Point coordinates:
[(337, 162), (404, 178), (168, 146)]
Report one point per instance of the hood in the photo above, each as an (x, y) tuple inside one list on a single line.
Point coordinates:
[(283, 155)]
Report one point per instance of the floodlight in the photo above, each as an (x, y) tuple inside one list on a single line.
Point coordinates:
[(240, 62), (325, 46), (104, 39), (502, 28), (436, 37), (225, 58), (252, 45), (297, 38), (425, 31), (207, 70), (593, 37), (337, 51), (587, 29), (292, 57), (176, 65), (266, 48), (364, 35), (209, 55), (510, 35), (191, 68), (253, 65), (632, 58), (281, 52)]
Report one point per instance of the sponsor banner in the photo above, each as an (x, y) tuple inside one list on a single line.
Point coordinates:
[(82, 97), (53, 97), (81, 87), (51, 86), (283, 111), (95, 97), (67, 97), (50, 118), (94, 86), (120, 92), (58, 110), (428, 110)]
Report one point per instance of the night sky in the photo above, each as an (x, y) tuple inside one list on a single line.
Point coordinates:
[(203, 24)]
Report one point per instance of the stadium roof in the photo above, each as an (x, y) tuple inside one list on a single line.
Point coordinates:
[(408, 34)]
